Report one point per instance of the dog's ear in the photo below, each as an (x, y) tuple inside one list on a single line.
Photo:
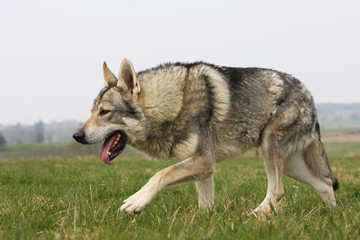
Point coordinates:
[(109, 77), (127, 79)]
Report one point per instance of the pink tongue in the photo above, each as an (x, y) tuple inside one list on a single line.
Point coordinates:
[(106, 148)]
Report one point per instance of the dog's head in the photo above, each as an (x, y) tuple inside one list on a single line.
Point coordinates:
[(115, 116)]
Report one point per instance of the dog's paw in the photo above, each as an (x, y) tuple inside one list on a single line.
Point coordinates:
[(138, 202), (265, 208), (261, 209)]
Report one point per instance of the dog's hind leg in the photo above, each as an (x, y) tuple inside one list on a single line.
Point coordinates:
[(205, 191), (296, 167), (274, 162)]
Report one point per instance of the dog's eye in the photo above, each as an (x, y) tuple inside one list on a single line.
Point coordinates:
[(104, 112)]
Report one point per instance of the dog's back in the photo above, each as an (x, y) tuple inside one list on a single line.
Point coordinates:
[(233, 105)]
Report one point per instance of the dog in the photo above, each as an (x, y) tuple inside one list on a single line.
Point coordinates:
[(201, 114)]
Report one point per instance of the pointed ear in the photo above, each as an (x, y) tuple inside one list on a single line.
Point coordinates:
[(127, 78), (109, 77)]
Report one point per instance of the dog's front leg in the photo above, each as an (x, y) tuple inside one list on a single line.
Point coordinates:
[(191, 169), (205, 191)]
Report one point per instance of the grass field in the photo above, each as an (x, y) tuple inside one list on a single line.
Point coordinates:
[(73, 149), (56, 150), (79, 198)]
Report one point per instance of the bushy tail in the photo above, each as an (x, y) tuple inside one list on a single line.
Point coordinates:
[(316, 159)]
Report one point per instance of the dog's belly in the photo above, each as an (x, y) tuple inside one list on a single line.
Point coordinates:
[(235, 141), (223, 151)]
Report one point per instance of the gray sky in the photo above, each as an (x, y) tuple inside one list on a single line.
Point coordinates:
[(51, 52)]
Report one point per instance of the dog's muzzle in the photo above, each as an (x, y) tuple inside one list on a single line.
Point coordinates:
[(79, 136)]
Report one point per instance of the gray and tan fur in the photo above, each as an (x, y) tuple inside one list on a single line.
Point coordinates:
[(201, 114)]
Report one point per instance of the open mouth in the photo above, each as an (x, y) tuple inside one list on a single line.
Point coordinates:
[(113, 146)]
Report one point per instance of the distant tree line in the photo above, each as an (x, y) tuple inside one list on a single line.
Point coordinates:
[(338, 108), (39, 132), (2, 140)]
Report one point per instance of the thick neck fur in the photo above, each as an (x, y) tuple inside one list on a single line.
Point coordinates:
[(156, 141), (161, 93), (160, 101)]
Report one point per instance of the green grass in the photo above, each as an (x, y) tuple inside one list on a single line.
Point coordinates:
[(342, 148), (80, 199), (74, 150), (55, 150)]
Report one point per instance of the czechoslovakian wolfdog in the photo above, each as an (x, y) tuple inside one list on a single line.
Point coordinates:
[(201, 114)]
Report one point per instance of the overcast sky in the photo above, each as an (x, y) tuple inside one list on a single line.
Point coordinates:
[(51, 52)]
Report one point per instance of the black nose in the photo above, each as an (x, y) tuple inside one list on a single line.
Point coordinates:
[(79, 136)]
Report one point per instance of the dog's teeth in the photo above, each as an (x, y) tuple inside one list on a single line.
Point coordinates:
[(118, 135), (109, 153)]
